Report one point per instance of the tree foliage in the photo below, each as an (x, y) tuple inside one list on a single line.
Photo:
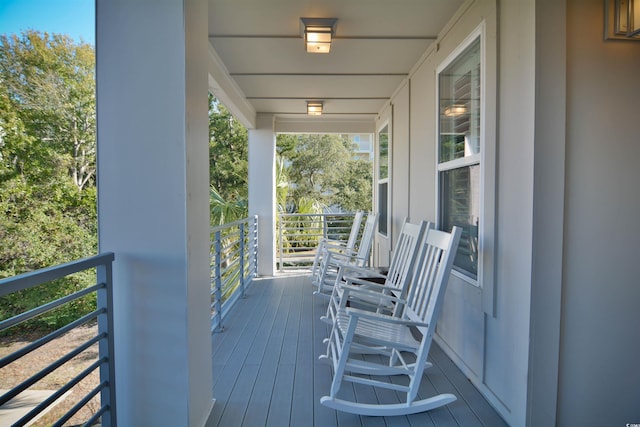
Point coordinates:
[(228, 153), (47, 166), (322, 167), (352, 189), (228, 165), (50, 85)]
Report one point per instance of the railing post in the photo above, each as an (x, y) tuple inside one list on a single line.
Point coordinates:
[(106, 346), (218, 282), (254, 246), (280, 242), (325, 227), (242, 255)]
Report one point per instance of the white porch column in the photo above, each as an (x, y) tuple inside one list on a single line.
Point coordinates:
[(153, 208), (262, 189)]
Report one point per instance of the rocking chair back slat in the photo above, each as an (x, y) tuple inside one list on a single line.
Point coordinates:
[(329, 261), (347, 247), (395, 281), (404, 255), (355, 230)]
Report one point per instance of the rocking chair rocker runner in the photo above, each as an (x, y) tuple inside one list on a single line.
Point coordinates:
[(391, 336)]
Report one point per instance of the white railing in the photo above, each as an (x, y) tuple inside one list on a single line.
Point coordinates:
[(299, 234), (106, 414), (234, 264)]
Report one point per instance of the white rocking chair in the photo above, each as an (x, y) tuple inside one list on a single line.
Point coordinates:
[(372, 282), (327, 244), (331, 260), (391, 336)]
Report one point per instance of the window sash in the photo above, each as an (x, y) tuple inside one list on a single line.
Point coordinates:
[(460, 206), (460, 147)]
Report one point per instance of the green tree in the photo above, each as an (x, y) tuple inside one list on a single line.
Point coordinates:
[(228, 153), (47, 166), (352, 188), (323, 168), (50, 83)]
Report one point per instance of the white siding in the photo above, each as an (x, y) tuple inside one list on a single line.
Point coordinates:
[(599, 365), (493, 351)]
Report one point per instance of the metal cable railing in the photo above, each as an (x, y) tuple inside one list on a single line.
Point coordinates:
[(234, 264), (299, 234), (104, 364)]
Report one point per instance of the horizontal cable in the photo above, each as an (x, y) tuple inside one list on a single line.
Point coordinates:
[(50, 337), (46, 371), (80, 404), (38, 277), (6, 324), (60, 392)]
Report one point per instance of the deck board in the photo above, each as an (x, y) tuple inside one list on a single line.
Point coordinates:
[(302, 402), (266, 369), (258, 407)]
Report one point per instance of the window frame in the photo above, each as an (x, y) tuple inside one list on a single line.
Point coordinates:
[(387, 180), (485, 159)]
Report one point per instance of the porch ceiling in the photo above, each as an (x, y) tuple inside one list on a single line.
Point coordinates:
[(377, 43)]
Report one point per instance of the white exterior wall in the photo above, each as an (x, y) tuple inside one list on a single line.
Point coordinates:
[(600, 347), (492, 351), (401, 154), (154, 205), (562, 347)]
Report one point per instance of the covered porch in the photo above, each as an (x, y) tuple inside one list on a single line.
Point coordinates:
[(557, 161), (266, 369)]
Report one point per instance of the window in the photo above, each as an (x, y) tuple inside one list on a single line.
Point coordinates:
[(459, 153), (383, 180)]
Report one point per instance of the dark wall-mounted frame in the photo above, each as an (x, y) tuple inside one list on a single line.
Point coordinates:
[(622, 20)]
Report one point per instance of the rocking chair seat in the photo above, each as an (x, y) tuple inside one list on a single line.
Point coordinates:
[(391, 331)]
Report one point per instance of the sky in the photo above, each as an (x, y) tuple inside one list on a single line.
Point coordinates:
[(75, 18)]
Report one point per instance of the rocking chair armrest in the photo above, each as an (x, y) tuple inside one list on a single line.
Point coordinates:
[(340, 257), (367, 284), (349, 290), (334, 244), (350, 269), (357, 313)]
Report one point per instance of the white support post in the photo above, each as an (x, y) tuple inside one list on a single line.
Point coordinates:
[(153, 205), (262, 189)]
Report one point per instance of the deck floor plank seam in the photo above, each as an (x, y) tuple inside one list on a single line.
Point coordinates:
[(237, 314), (466, 390), (242, 319), (323, 416), (302, 403), (229, 373), (258, 405), (267, 372)]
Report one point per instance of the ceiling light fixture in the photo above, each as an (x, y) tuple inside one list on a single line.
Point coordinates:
[(622, 20), (455, 110), (314, 108), (318, 33)]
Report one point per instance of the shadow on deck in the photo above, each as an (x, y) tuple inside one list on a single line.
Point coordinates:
[(266, 369)]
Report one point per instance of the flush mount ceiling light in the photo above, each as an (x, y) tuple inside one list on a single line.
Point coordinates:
[(622, 20), (317, 33), (455, 110), (314, 108)]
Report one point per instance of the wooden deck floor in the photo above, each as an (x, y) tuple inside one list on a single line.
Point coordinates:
[(266, 369)]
